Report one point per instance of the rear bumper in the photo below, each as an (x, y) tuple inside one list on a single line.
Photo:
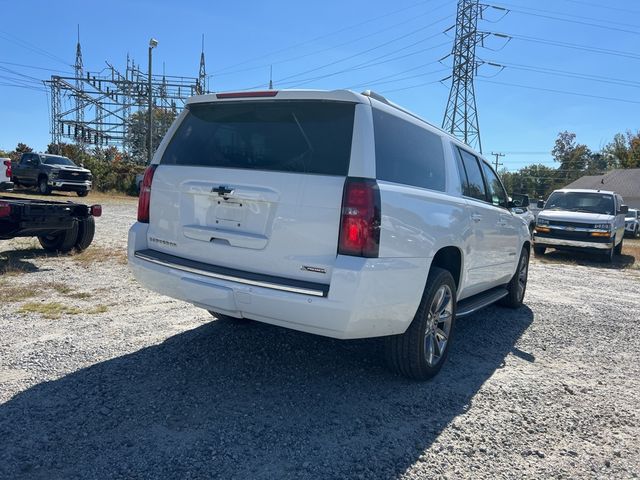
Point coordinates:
[(366, 297), (574, 244)]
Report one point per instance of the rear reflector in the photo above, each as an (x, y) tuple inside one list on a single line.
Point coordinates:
[(5, 209), (7, 163), (360, 221), (265, 93), (96, 210), (144, 200)]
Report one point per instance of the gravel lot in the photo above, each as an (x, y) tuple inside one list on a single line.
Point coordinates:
[(128, 384)]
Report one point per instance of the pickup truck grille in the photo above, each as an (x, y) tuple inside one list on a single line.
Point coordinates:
[(554, 223), (73, 176)]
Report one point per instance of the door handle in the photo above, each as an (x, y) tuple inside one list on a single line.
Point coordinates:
[(476, 217)]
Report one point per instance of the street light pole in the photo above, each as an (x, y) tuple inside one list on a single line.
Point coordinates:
[(152, 44)]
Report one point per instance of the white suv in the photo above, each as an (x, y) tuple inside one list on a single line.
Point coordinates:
[(333, 213)]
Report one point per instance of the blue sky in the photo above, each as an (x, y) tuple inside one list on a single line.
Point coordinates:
[(390, 47)]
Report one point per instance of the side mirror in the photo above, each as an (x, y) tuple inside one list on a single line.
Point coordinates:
[(624, 209), (540, 204), (520, 200)]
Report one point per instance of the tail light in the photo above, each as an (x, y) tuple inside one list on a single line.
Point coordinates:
[(360, 221), (96, 210), (144, 200), (5, 209), (7, 163)]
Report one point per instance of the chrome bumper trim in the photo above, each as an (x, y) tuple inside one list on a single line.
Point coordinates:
[(230, 278)]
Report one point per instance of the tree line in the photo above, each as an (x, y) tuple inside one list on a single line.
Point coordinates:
[(573, 160)]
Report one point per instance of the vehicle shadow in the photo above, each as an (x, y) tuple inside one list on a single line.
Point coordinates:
[(588, 260), (231, 400), (18, 260)]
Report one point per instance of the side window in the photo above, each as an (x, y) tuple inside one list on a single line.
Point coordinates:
[(25, 160), (475, 183), (407, 153), (497, 195)]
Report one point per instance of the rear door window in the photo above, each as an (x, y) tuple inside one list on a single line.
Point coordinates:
[(497, 195), (287, 136), (407, 153), (474, 187)]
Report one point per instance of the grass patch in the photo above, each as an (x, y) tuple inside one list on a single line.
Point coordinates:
[(80, 295), (94, 255), (16, 294), (55, 310), (49, 309)]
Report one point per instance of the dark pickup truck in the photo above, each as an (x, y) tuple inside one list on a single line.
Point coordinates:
[(51, 172), (59, 226)]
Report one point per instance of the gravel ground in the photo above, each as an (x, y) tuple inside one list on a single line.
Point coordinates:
[(143, 386)]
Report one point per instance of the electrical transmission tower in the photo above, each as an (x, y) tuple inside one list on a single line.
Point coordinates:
[(461, 116)]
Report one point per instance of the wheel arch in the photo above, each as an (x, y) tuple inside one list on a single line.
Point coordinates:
[(449, 258)]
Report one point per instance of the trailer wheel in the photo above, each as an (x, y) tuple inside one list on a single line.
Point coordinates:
[(86, 230), (60, 242)]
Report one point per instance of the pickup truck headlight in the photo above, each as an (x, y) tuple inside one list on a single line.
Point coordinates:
[(602, 226), (542, 222), (54, 173)]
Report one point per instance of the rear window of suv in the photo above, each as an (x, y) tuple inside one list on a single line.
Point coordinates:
[(287, 136)]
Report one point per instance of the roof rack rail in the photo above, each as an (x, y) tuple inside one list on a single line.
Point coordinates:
[(385, 100)]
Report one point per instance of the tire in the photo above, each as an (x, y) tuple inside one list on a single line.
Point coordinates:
[(609, 254), (86, 231), (539, 251), (617, 250), (636, 232), (413, 353), (60, 242), (82, 193), (517, 287), (43, 186)]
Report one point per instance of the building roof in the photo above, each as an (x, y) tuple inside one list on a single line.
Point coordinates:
[(625, 182)]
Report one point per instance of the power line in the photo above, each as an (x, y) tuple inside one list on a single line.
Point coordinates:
[(327, 35), (363, 65), (575, 46), (564, 73), (40, 51), (35, 68), (564, 92), (333, 47), (570, 15), (606, 7), (363, 52), (567, 20)]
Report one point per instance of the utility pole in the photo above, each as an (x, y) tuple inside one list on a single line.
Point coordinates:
[(497, 155), (461, 115), (153, 43)]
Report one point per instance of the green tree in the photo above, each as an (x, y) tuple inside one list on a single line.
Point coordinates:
[(624, 150), (573, 157), (20, 149), (136, 136)]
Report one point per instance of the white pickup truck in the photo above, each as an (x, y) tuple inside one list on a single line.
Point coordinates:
[(584, 220), (333, 213)]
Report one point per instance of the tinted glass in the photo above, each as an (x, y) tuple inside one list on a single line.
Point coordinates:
[(497, 195), (296, 136), (475, 183), (407, 153), (57, 161), (581, 202)]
